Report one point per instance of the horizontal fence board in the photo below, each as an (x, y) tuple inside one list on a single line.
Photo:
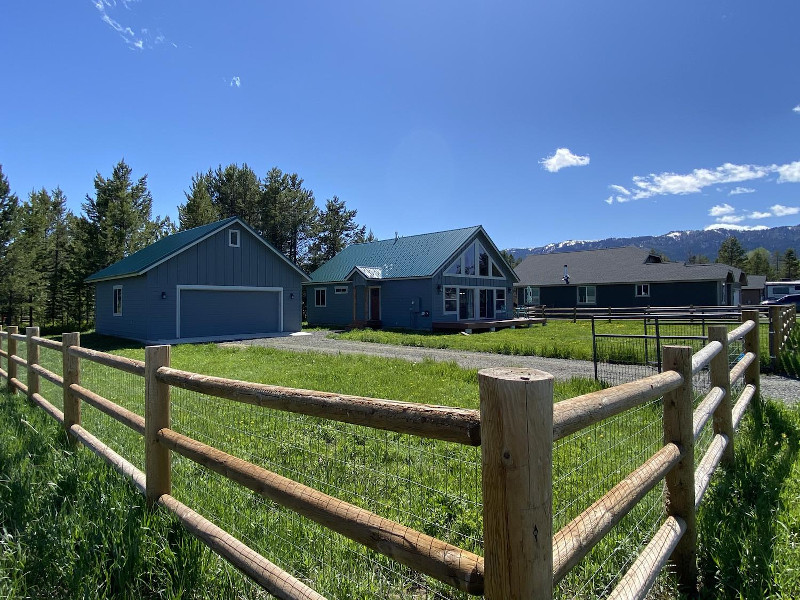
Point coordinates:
[(741, 331), (445, 562), (702, 357), (107, 454), (576, 539), (20, 337), (275, 580), (18, 360), (738, 370), (636, 583), (3, 353), (123, 415), (579, 412), (16, 383), (742, 403), (52, 344), (706, 408), (47, 407), (53, 378), (459, 425), (708, 464), (129, 365)]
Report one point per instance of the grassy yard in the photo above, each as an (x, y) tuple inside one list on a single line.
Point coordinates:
[(432, 486)]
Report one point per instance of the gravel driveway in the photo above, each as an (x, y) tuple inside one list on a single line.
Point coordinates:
[(772, 386)]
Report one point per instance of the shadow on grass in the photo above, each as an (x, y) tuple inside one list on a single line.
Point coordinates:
[(737, 519)]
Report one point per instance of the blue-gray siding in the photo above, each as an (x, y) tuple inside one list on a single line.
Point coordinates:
[(211, 262)]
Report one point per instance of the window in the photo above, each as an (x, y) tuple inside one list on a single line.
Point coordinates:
[(340, 289), (320, 297), (495, 271), (587, 294), (450, 300), (642, 290), (117, 300), (483, 262), (532, 296), (469, 261), (233, 238), (500, 300)]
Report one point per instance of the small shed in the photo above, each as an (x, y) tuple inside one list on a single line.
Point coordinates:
[(216, 282)]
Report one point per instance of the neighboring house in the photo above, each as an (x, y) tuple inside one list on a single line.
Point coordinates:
[(218, 281), (413, 282), (753, 292), (624, 277)]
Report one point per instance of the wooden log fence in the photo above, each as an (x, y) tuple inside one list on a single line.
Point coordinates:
[(516, 428)]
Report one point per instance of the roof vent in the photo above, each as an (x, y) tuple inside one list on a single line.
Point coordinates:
[(566, 275)]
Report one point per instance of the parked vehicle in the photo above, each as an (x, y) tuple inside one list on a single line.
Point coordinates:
[(787, 299)]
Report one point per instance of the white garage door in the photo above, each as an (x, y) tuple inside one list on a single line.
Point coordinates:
[(210, 311)]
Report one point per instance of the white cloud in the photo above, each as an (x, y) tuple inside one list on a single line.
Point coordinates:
[(796, 109), (784, 211), (133, 40), (731, 219), (735, 227), (720, 210), (789, 173), (235, 82), (620, 190), (759, 215), (667, 184), (609, 200), (740, 190), (563, 158)]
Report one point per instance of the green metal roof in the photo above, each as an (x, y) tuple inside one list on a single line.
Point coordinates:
[(141, 261), (412, 256), (146, 258)]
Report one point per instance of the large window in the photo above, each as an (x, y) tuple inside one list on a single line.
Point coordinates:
[(500, 300), (117, 300), (587, 294), (475, 261), (320, 297), (642, 290), (469, 260)]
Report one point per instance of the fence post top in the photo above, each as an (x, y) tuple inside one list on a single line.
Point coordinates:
[(32, 331), (518, 374)]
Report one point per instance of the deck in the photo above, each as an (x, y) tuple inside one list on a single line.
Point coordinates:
[(487, 324)]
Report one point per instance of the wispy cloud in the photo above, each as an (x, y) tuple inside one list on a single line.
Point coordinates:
[(731, 219), (235, 82), (796, 109), (740, 190), (760, 215), (784, 211), (720, 210), (108, 9), (563, 158), (676, 184)]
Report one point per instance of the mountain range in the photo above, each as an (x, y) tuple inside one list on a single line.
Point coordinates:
[(680, 245)]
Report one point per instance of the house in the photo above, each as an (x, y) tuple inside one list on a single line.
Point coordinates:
[(753, 292), (624, 277), (415, 282), (214, 282)]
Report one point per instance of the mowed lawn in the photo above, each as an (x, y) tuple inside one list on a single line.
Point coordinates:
[(432, 486)]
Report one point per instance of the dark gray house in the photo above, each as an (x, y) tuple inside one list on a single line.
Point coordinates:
[(414, 282), (219, 281), (623, 277)]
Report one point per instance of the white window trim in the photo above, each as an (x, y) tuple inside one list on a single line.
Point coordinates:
[(476, 298), (578, 295), (340, 289), (238, 238), (532, 295), (460, 261), (225, 288), (114, 301), (325, 305), (641, 286)]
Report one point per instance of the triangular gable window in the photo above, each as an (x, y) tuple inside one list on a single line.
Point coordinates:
[(474, 261)]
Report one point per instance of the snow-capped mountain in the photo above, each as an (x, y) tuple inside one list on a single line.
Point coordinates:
[(680, 245)]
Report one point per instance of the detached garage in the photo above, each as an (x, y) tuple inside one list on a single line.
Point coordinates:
[(211, 283)]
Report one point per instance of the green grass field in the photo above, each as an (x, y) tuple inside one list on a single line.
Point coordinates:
[(432, 486)]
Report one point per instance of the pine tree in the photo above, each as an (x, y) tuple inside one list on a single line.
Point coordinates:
[(198, 210), (758, 263), (337, 229), (790, 269), (236, 192), (9, 207), (732, 253), (289, 215)]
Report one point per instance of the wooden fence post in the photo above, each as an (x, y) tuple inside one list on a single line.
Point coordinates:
[(679, 490), (752, 343), (517, 466), (720, 373), (71, 371), (33, 359), (156, 414), (12, 366)]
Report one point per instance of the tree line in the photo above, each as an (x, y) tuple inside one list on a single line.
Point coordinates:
[(759, 261), (47, 251)]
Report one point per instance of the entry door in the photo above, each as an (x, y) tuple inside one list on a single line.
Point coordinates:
[(375, 304), (487, 304), (466, 303)]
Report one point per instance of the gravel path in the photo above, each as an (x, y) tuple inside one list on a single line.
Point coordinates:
[(773, 386)]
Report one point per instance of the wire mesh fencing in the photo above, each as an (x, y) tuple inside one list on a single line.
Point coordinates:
[(431, 486), (52, 360)]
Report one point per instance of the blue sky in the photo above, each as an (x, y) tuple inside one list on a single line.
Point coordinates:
[(542, 121)]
